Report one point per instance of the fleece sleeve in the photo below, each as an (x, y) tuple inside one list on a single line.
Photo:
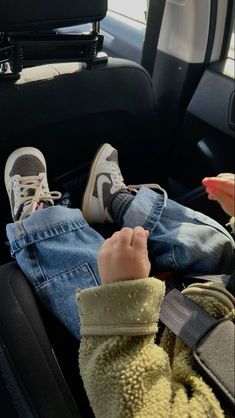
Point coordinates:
[(125, 373)]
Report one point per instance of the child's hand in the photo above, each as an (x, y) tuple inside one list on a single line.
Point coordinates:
[(222, 189), (124, 256)]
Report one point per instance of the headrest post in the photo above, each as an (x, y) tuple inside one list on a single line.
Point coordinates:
[(27, 50), (96, 28)]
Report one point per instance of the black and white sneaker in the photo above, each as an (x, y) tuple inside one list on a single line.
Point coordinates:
[(26, 182), (105, 180)]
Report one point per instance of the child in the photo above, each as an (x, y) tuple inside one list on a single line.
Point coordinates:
[(57, 250), (124, 372)]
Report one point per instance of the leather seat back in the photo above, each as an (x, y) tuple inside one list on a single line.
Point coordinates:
[(66, 110)]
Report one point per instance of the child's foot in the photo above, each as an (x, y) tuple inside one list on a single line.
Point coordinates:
[(26, 182), (105, 180)]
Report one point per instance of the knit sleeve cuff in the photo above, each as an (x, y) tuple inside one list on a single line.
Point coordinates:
[(123, 308)]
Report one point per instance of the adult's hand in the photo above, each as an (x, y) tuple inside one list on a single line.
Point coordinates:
[(222, 189)]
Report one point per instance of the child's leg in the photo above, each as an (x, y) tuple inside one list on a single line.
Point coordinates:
[(57, 250), (54, 246), (180, 238)]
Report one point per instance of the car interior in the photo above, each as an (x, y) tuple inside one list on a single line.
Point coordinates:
[(62, 92)]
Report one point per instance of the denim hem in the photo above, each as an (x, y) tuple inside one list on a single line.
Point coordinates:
[(38, 227), (146, 209)]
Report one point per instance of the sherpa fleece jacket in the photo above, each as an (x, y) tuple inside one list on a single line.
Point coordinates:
[(125, 374)]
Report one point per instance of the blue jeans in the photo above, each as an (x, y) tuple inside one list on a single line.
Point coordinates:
[(57, 250)]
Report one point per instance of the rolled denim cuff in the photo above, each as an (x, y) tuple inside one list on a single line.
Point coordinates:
[(146, 209), (43, 224)]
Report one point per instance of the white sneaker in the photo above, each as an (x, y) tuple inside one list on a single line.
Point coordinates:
[(105, 180), (26, 182)]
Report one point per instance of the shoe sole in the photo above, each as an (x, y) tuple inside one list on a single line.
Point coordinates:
[(19, 152), (86, 201)]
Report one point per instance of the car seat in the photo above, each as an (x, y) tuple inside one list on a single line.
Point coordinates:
[(70, 108), (62, 96)]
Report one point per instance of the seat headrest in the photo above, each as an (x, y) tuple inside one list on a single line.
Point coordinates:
[(31, 15)]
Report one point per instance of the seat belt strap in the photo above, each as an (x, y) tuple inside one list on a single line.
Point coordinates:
[(185, 319), (153, 28), (212, 341)]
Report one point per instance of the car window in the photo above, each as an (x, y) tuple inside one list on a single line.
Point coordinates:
[(123, 29), (231, 52), (133, 9)]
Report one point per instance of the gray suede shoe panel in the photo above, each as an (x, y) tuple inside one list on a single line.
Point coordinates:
[(27, 165)]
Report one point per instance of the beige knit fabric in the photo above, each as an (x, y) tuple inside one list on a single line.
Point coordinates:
[(125, 374)]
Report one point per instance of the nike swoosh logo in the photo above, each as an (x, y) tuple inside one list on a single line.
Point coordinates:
[(101, 180)]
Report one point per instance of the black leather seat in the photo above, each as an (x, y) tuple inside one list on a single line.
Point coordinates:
[(67, 110), (32, 383)]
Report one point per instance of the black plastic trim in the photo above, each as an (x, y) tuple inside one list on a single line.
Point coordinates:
[(174, 82), (152, 33), (231, 112), (212, 99), (211, 34), (227, 30)]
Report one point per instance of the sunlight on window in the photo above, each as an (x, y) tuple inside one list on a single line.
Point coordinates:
[(134, 9), (231, 52)]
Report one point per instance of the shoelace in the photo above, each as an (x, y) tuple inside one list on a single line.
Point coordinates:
[(40, 195), (135, 187), (118, 179), (119, 183)]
